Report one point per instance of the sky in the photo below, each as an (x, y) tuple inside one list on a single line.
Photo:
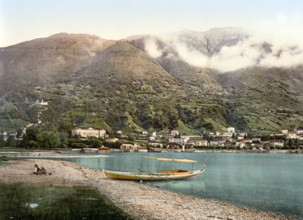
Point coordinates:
[(22, 20)]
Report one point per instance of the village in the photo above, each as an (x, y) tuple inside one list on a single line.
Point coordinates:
[(176, 142), (151, 141)]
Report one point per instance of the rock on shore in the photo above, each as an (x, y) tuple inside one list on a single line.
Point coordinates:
[(140, 201)]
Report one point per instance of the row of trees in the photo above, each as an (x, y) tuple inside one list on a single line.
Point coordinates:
[(47, 136), (10, 142), (43, 136)]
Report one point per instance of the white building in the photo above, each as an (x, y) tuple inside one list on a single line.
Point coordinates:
[(180, 141), (231, 130), (284, 131), (174, 132), (41, 103), (129, 147), (300, 137), (152, 138), (90, 132), (242, 134), (292, 135), (201, 142), (277, 143), (240, 144), (299, 131), (186, 138), (256, 139), (154, 134), (112, 140), (216, 143)]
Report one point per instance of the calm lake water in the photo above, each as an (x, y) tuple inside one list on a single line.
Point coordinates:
[(268, 182)]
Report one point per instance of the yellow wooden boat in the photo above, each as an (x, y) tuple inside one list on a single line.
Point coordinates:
[(162, 175)]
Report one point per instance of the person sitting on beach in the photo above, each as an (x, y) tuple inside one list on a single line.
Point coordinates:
[(38, 170)]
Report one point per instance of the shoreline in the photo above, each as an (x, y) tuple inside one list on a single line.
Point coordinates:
[(56, 154), (138, 200)]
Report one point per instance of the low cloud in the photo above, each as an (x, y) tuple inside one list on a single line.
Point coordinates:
[(267, 44), (286, 58), (152, 48), (191, 56), (235, 57)]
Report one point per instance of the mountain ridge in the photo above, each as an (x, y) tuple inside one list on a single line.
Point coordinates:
[(126, 86)]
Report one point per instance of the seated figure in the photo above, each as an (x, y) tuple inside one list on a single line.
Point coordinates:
[(38, 170)]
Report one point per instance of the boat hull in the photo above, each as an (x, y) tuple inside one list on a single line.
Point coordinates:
[(150, 177)]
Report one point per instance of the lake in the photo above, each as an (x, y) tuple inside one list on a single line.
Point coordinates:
[(268, 182)]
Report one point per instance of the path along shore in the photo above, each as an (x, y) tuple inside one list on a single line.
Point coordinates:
[(140, 201)]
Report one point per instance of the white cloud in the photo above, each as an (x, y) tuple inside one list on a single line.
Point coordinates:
[(152, 48), (283, 37), (191, 56), (240, 56), (285, 59)]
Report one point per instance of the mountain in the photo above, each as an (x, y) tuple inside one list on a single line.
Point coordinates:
[(179, 53), (257, 96), (211, 42), (150, 82), (264, 98), (123, 64), (46, 60)]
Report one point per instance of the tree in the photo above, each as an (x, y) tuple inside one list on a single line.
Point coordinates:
[(290, 143), (33, 144), (19, 132), (296, 143), (48, 139), (96, 143), (11, 141), (63, 138), (2, 141), (31, 135)]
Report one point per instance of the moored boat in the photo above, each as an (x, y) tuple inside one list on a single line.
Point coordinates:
[(162, 175)]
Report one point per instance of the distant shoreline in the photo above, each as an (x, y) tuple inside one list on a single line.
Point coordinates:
[(56, 154), (140, 201)]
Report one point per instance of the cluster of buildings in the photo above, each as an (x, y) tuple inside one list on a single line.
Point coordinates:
[(6, 135), (230, 138), (89, 132), (175, 140), (219, 138), (101, 133), (296, 134)]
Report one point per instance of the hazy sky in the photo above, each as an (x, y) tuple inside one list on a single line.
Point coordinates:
[(22, 20)]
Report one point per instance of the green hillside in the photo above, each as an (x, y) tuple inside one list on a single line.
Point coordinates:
[(116, 85)]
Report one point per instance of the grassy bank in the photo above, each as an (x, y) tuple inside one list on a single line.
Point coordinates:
[(21, 201)]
